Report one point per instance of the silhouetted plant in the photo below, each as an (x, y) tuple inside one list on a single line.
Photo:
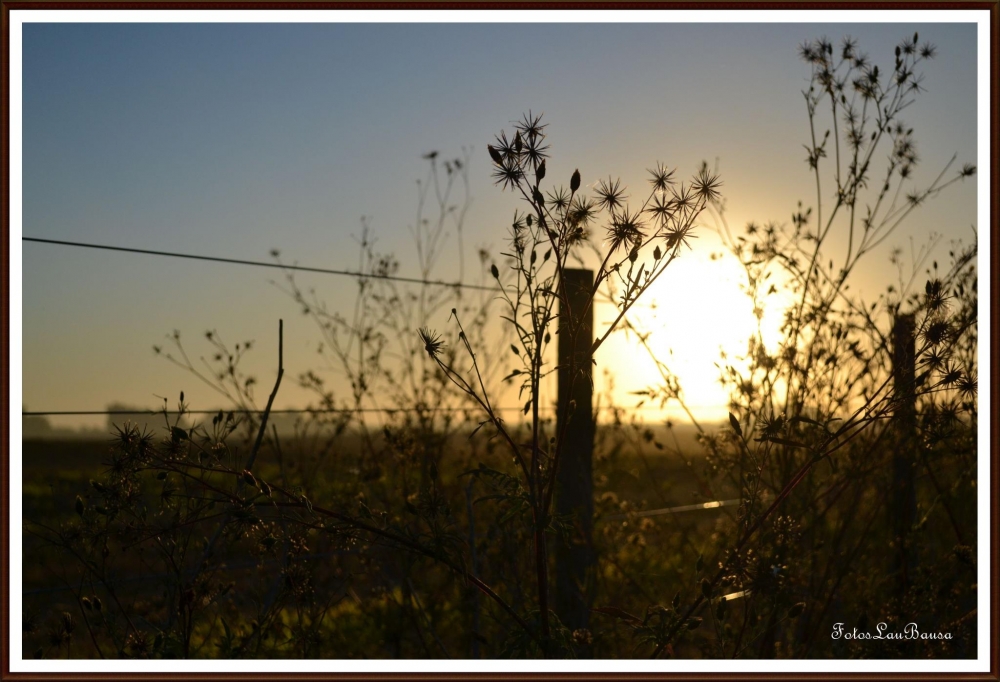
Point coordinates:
[(827, 395), (639, 244)]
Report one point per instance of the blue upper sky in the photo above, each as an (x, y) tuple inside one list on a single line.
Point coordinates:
[(232, 139)]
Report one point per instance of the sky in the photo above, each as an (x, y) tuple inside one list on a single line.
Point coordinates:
[(235, 139)]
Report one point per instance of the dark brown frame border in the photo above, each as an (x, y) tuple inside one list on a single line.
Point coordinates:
[(6, 6)]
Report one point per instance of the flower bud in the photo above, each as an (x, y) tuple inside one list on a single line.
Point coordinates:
[(735, 423)]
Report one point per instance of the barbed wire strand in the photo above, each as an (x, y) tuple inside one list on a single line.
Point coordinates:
[(280, 266), (262, 264)]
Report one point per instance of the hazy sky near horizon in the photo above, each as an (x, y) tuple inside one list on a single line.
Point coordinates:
[(233, 139)]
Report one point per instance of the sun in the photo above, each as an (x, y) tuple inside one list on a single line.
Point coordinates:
[(696, 314)]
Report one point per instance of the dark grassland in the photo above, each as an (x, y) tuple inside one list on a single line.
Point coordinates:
[(374, 612), (354, 596)]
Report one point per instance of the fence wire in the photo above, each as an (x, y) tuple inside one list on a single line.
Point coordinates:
[(262, 264)]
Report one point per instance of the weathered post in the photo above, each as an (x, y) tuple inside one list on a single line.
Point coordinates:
[(903, 501), (574, 495)]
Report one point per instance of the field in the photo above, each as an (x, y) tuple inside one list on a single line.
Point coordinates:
[(56, 472), (326, 591)]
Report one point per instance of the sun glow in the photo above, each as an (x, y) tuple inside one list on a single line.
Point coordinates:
[(698, 317)]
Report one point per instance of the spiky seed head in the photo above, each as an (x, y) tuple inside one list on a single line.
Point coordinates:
[(706, 185), (679, 235), (968, 384), (559, 198), (610, 194), (507, 173), (937, 332), (625, 230), (432, 342), (661, 177)]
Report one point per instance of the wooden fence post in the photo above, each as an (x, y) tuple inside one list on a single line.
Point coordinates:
[(574, 494), (903, 501)]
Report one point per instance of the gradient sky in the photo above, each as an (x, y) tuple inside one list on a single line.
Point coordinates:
[(231, 140)]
